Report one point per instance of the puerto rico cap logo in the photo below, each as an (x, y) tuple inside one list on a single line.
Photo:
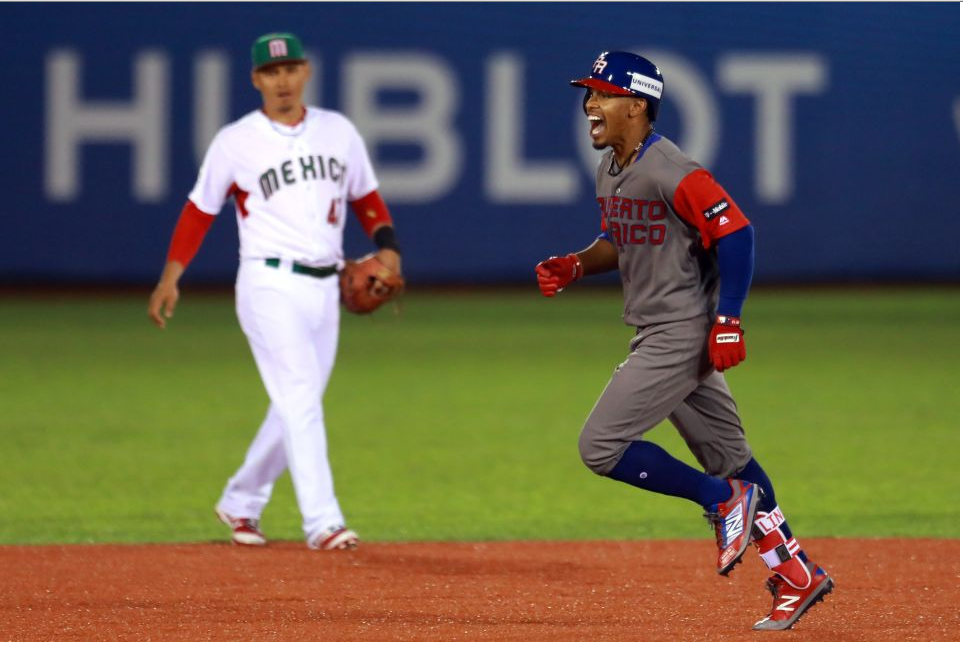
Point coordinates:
[(599, 65)]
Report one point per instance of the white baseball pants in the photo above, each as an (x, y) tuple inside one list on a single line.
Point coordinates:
[(291, 322)]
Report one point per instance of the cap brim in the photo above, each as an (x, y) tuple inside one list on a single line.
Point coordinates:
[(603, 86), (280, 61)]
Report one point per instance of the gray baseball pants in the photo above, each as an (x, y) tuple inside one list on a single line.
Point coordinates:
[(667, 375)]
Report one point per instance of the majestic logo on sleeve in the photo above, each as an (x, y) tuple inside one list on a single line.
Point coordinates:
[(304, 168), (634, 221), (713, 211)]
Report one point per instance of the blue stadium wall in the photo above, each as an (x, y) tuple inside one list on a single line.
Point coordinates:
[(835, 126)]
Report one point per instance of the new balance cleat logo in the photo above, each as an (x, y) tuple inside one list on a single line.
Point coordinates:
[(734, 524), (788, 604)]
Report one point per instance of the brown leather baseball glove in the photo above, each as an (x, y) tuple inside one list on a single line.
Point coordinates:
[(366, 284)]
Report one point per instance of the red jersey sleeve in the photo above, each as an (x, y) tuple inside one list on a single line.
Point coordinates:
[(372, 212), (189, 233), (703, 203)]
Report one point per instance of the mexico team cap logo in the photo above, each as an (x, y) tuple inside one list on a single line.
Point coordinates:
[(276, 48)]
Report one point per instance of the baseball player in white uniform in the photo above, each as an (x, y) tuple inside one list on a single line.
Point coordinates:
[(291, 170)]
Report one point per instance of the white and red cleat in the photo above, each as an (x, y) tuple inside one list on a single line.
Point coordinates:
[(335, 538), (245, 531)]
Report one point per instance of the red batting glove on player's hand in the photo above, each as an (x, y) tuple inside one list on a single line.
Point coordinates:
[(726, 345), (555, 273)]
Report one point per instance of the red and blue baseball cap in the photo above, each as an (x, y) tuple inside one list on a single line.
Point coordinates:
[(626, 74), (278, 47)]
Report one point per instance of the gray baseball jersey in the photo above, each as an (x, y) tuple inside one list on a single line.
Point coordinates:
[(663, 213)]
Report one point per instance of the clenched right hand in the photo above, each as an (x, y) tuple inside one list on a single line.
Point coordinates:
[(555, 273)]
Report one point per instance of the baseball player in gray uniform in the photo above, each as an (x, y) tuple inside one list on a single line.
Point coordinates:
[(684, 251)]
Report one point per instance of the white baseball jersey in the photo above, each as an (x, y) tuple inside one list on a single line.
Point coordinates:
[(291, 184)]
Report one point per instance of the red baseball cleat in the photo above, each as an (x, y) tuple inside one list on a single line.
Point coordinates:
[(732, 521), (789, 603), (245, 531)]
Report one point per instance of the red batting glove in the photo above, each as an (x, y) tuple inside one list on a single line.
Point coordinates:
[(726, 345), (555, 273)]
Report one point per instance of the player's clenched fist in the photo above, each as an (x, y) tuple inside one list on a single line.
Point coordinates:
[(726, 345), (555, 273)]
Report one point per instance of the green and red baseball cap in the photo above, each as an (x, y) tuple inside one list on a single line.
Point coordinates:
[(278, 47)]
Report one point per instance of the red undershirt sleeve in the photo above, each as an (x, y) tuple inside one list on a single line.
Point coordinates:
[(703, 203), (188, 234), (372, 212)]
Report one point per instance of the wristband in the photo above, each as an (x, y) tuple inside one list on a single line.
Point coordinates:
[(579, 271), (729, 321), (384, 238)]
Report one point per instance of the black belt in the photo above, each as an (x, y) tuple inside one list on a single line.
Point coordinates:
[(317, 272)]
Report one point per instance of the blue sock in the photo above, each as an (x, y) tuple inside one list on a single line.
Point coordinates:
[(647, 466), (754, 473)]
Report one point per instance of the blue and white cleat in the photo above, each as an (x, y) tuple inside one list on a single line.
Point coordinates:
[(732, 521)]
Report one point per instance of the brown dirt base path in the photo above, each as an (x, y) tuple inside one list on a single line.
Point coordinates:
[(886, 590)]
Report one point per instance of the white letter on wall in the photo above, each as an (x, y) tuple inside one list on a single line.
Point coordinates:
[(773, 79), (508, 177), (429, 124), (211, 70), (687, 90), (72, 122), (312, 89)]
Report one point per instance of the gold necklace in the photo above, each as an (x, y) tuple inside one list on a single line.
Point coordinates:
[(635, 152), (644, 139)]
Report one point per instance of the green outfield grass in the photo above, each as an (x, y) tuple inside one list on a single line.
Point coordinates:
[(458, 419)]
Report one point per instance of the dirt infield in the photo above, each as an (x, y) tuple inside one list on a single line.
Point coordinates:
[(886, 590)]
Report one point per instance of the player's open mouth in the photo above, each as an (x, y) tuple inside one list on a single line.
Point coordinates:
[(597, 126)]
